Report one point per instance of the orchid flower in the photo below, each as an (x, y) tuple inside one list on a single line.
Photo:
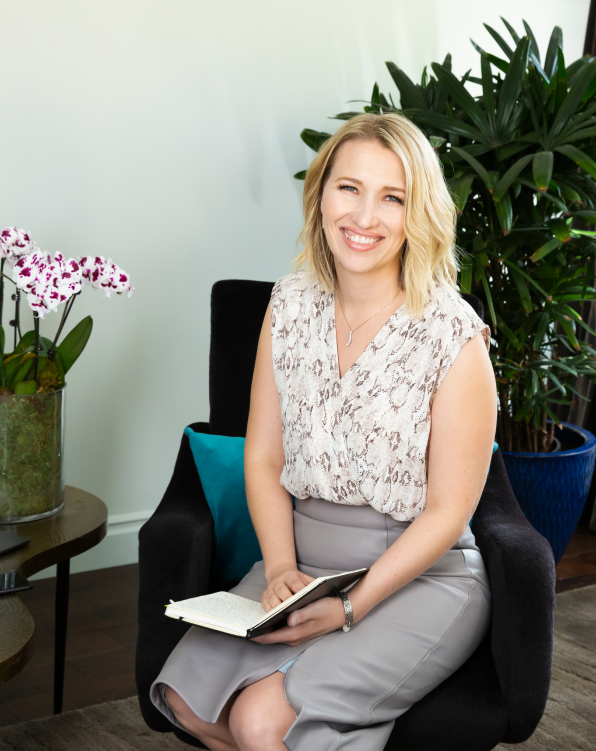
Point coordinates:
[(15, 243), (102, 274), (47, 283)]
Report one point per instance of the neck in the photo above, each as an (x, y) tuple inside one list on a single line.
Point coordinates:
[(362, 293)]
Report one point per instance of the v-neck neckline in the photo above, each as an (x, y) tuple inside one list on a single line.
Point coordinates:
[(339, 377)]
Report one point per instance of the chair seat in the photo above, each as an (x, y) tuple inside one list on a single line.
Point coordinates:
[(467, 710)]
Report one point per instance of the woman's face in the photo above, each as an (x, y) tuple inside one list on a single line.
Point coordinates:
[(362, 207)]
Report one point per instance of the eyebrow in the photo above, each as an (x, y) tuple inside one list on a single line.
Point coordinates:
[(359, 182)]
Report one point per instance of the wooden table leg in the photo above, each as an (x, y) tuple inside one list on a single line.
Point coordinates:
[(62, 583)]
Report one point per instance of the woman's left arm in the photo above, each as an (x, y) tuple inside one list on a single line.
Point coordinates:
[(463, 421)]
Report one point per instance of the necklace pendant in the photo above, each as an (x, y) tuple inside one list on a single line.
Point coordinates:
[(349, 340)]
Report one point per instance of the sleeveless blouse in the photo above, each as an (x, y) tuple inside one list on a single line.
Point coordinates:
[(362, 439)]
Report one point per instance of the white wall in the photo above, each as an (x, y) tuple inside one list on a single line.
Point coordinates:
[(164, 133)]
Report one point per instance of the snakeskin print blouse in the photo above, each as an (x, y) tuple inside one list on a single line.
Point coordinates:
[(362, 438)]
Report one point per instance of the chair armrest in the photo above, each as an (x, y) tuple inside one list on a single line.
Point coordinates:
[(176, 547), (521, 570)]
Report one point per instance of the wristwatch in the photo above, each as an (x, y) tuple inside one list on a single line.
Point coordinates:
[(348, 610)]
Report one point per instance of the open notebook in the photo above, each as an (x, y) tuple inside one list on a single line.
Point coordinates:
[(232, 614)]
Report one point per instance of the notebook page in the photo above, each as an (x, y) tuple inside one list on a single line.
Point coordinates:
[(226, 606)]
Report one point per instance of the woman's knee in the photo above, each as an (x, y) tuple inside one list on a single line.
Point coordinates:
[(254, 731), (257, 724), (185, 716)]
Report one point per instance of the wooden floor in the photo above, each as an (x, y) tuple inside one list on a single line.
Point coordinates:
[(100, 648), (102, 630), (577, 568)]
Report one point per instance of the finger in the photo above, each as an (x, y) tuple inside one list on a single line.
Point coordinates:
[(284, 635), (295, 582), (320, 609), (269, 600), (282, 591), (306, 578)]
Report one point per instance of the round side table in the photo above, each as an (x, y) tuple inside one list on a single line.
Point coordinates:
[(80, 525)]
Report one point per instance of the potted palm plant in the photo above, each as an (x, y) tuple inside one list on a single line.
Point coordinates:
[(518, 147), (33, 370)]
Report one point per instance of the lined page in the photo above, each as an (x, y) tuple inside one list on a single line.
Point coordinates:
[(224, 606)]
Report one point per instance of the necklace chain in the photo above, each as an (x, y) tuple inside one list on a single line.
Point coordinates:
[(367, 320)]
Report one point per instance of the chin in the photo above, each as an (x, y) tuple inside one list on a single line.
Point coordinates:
[(356, 265)]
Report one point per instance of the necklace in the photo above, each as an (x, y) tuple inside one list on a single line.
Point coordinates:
[(367, 320)]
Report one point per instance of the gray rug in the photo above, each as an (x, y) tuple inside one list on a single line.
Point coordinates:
[(569, 723), (114, 726)]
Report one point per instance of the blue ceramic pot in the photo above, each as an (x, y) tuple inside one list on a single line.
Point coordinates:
[(552, 488)]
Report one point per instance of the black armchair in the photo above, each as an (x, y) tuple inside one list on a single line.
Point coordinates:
[(498, 695)]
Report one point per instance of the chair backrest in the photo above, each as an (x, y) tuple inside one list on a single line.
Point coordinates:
[(238, 307)]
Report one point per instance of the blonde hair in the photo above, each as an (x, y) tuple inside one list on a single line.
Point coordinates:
[(428, 254)]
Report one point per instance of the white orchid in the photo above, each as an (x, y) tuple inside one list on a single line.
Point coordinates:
[(15, 243), (47, 283), (102, 274)]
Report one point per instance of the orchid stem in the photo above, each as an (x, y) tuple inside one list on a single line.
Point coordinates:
[(17, 322), (65, 314), (36, 327), (2, 275)]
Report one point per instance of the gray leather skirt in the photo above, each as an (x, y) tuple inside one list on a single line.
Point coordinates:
[(347, 689)]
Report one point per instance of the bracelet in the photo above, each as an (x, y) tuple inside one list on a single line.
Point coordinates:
[(348, 611)]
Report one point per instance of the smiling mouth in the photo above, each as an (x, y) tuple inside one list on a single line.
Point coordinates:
[(360, 239)]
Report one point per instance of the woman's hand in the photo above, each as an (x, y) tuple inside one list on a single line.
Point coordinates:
[(318, 618), (282, 586)]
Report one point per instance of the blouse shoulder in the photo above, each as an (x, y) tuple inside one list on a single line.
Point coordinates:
[(289, 293), (456, 319), (453, 322)]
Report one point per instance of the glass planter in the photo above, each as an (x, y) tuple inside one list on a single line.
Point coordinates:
[(31, 452)]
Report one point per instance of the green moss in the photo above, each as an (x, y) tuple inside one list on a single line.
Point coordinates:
[(30, 453)]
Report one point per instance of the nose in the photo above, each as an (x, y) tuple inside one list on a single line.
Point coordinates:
[(364, 215)]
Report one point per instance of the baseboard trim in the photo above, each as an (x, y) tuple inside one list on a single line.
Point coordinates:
[(119, 547)]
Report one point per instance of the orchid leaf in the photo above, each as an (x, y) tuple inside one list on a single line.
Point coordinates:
[(26, 387), (12, 368), (27, 340), (2, 366), (28, 369), (74, 343)]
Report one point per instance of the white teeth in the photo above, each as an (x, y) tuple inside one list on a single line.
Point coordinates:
[(361, 240)]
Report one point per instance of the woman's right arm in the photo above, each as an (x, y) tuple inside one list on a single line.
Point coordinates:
[(269, 503)]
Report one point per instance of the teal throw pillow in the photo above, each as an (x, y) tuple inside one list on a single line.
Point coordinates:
[(220, 463)]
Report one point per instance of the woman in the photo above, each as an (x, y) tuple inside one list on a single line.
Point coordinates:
[(373, 397)]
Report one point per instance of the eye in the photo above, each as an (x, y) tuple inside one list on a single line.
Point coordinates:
[(396, 199), (348, 188)]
